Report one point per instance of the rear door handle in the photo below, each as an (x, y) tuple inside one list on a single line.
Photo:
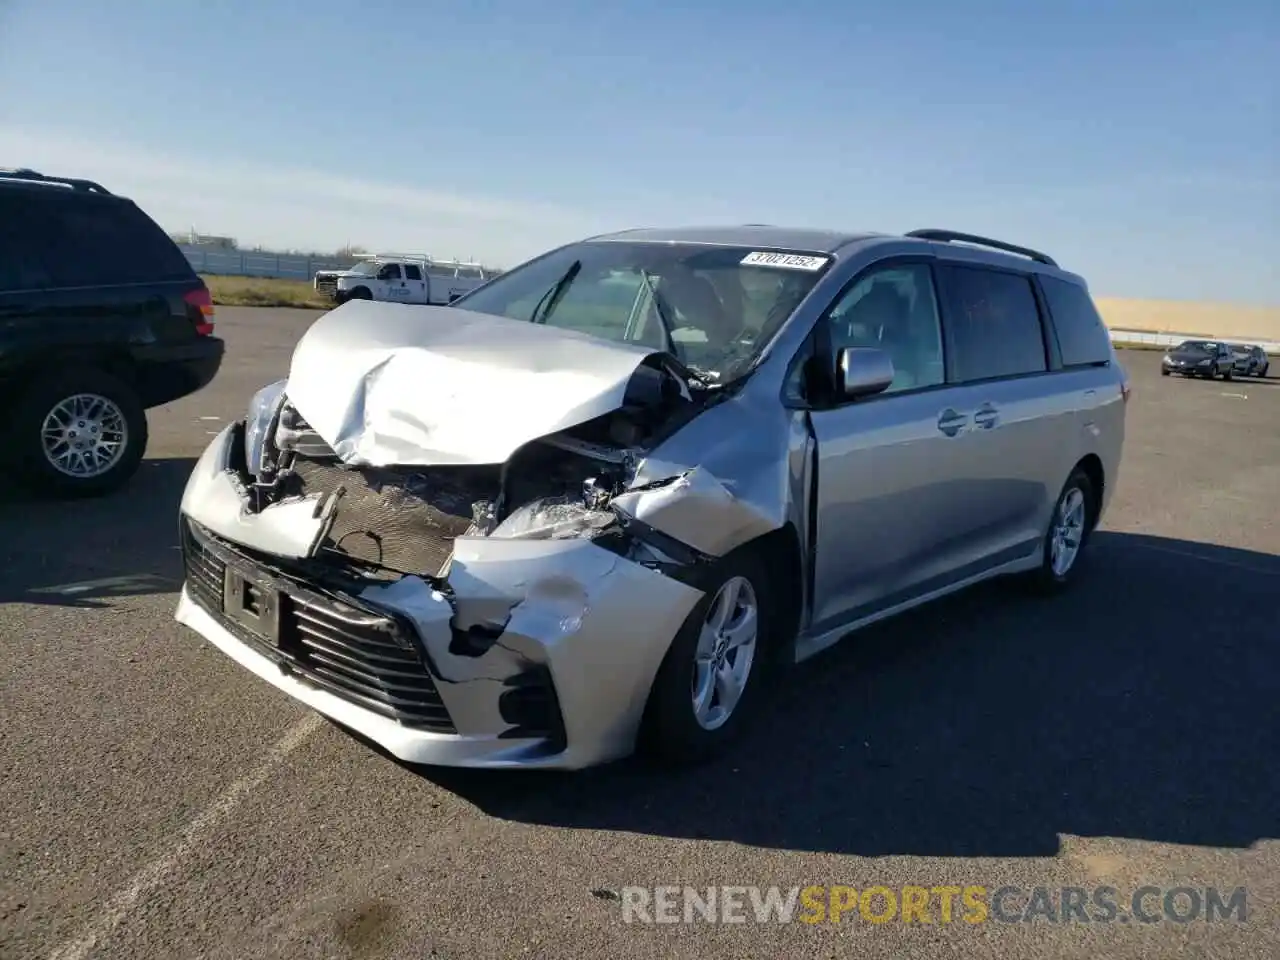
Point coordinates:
[(950, 422), (987, 416)]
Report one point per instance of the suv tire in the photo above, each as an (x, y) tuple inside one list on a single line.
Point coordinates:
[(671, 732), (49, 401), (1050, 577)]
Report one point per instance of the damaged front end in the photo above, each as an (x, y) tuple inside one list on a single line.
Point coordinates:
[(471, 614)]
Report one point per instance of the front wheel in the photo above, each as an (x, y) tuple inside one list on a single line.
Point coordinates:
[(710, 683), (1228, 374), (80, 433)]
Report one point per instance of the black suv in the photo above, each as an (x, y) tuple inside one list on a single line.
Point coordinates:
[(101, 318)]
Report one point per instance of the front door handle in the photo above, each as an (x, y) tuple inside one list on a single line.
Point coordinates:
[(987, 416), (950, 422)]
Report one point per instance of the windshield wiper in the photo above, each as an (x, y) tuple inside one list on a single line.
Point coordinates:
[(668, 328), (553, 295)]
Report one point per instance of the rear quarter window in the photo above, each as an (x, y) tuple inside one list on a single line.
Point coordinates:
[(1082, 336), (95, 241)]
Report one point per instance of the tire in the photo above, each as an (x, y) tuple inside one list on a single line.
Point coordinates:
[(1164, 373), (40, 403), (1228, 374), (671, 733), (1050, 579)]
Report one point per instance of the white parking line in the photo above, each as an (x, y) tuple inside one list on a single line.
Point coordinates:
[(155, 873), (1237, 396), (137, 580)]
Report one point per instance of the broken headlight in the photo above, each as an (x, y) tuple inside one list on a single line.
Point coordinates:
[(257, 424), (553, 518)]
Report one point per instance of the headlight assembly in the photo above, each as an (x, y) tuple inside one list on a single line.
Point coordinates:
[(257, 423), (553, 518)]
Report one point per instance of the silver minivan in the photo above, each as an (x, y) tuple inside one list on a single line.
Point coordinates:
[(595, 504)]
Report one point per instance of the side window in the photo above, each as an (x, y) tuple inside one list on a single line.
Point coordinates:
[(389, 271), (993, 325), (1082, 336), (411, 272), (895, 310), (26, 245)]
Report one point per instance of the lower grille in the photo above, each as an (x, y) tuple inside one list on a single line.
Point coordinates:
[(361, 655)]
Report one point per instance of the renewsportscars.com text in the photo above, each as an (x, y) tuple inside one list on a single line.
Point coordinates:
[(972, 904)]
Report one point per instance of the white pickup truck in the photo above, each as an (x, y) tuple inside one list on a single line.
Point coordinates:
[(401, 278)]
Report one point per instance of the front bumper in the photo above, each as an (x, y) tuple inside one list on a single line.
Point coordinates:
[(1187, 369), (540, 653)]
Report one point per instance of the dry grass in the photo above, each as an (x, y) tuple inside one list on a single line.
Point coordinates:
[(265, 292), (1229, 321)]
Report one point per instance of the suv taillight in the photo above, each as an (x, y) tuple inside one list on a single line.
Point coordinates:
[(200, 307)]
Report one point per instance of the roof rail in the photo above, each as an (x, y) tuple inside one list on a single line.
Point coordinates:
[(31, 176), (950, 236)]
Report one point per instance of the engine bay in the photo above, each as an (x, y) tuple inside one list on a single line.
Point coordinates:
[(392, 521)]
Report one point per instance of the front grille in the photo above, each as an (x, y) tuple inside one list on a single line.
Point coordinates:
[(327, 286), (362, 655)]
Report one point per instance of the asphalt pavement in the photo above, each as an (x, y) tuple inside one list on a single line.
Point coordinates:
[(161, 802)]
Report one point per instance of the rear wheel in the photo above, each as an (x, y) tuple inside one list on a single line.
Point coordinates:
[(1070, 526), (79, 433)]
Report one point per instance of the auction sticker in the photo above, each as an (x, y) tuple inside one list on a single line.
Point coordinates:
[(786, 261)]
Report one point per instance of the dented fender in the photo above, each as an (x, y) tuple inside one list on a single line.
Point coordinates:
[(724, 479)]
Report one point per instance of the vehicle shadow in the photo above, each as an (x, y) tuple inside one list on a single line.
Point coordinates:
[(82, 552), (987, 725)]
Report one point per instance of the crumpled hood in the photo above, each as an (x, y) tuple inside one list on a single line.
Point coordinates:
[(391, 384)]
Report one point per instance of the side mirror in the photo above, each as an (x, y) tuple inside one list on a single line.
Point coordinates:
[(863, 371)]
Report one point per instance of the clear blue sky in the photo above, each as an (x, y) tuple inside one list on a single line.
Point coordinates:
[(1139, 142)]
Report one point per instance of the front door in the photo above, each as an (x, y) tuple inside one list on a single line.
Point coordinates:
[(888, 464), (415, 284), (393, 282)]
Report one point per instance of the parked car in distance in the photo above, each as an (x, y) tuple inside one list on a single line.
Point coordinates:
[(1250, 360), (101, 318), (1200, 358), (593, 505)]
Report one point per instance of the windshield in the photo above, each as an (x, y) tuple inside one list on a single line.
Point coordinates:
[(366, 268), (1198, 346), (712, 306)]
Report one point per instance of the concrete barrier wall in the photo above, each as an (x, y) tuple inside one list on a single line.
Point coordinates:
[(1224, 321)]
